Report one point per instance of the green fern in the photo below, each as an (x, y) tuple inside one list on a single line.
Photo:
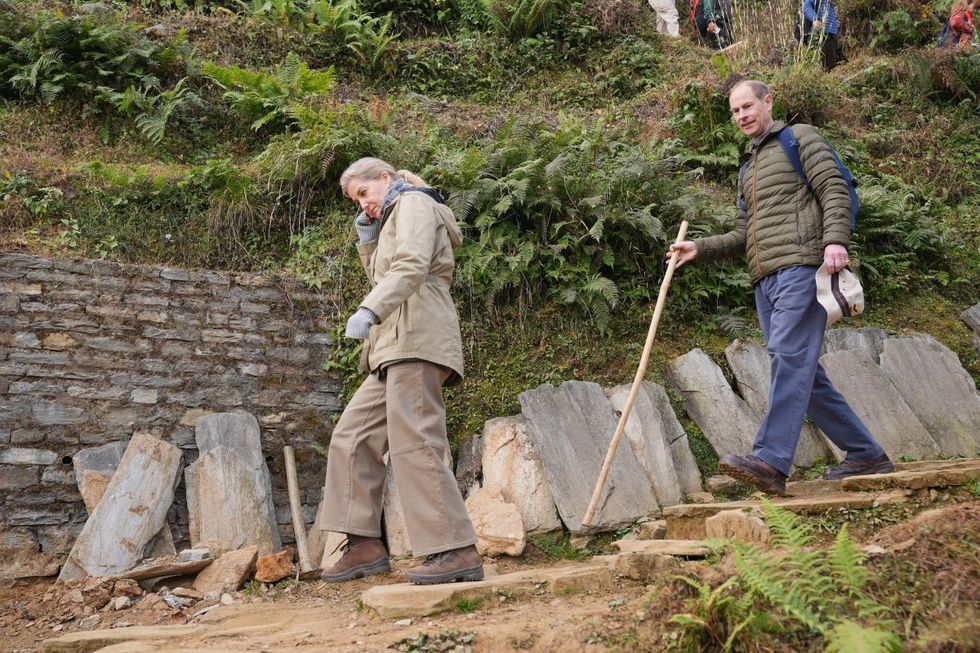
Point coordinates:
[(819, 589)]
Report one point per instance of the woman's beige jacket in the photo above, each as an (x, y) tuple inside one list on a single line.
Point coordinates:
[(410, 267)]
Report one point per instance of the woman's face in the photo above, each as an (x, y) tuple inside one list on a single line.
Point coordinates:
[(368, 193)]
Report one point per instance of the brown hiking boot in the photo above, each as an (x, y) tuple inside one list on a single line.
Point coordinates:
[(880, 465), (362, 557), (754, 471), (448, 567)]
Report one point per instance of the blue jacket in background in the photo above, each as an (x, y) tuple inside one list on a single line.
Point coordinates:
[(823, 10)]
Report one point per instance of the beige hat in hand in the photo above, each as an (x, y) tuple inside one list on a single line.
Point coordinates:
[(840, 294)]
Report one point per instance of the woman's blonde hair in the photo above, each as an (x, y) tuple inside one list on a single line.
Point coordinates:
[(370, 168)]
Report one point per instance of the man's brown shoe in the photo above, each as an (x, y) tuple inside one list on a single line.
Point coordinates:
[(448, 567), (362, 557), (879, 465), (754, 471)]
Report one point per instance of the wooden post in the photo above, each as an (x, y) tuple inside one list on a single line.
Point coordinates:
[(637, 380), (299, 528)]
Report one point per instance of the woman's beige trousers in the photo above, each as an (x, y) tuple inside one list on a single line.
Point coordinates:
[(402, 414)]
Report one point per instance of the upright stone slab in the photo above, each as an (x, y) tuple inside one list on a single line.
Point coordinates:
[(469, 465), (393, 516), (94, 468), (572, 426), (725, 419), (866, 339), (132, 511), (512, 465), (648, 432), (972, 318), (229, 494), (938, 390), (878, 403), (751, 365)]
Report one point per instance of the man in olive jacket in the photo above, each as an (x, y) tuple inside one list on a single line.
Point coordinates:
[(786, 232)]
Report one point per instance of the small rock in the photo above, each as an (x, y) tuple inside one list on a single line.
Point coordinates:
[(721, 483), (89, 622), (498, 524), (188, 593), (737, 525), (227, 599), (403, 622), (159, 30), (700, 497), (652, 530), (273, 567), (176, 602), (193, 555), (126, 587), (229, 572), (121, 603), (873, 550)]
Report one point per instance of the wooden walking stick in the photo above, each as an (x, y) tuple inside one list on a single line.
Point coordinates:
[(299, 530), (640, 373)]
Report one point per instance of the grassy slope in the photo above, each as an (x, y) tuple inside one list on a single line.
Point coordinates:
[(457, 90)]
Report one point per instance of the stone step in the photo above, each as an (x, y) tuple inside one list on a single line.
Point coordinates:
[(94, 640), (407, 600), (679, 548), (912, 476), (687, 522)]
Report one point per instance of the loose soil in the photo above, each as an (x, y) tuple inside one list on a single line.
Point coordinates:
[(929, 574)]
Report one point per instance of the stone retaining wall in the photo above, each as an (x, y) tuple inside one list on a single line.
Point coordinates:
[(91, 352)]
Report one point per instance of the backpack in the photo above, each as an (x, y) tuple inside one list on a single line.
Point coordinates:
[(943, 40), (791, 147)]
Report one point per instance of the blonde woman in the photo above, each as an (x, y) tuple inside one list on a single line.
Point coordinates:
[(412, 348)]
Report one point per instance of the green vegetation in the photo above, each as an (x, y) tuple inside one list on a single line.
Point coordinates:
[(791, 593), (569, 137)]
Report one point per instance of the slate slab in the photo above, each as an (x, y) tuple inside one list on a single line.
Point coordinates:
[(879, 404), (165, 567), (94, 468), (725, 419), (939, 391), (511, 464), (132, 511), (866, 339), (229, 493), (750, 364), (972, 318), (645, 433), (572, 426)]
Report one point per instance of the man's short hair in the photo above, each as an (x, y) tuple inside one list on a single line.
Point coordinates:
[(759, 89)]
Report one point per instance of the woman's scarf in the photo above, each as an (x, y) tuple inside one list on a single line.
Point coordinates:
[(396, 188)]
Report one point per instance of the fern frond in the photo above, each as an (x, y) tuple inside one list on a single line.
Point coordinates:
[(850, 637)]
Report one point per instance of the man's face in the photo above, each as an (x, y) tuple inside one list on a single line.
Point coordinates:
[(368, 193), (752, 115)]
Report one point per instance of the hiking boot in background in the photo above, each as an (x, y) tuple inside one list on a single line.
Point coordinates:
[(363, 556), (754, 471), (463, 564), (880, 465)]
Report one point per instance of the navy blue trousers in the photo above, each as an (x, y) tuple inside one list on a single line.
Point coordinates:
[(793, 324)]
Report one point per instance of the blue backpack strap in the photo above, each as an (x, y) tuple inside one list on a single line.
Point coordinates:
[(740, 202), (791, 147)]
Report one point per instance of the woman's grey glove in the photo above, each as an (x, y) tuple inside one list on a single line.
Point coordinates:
[(367, 229), (359, 324)]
